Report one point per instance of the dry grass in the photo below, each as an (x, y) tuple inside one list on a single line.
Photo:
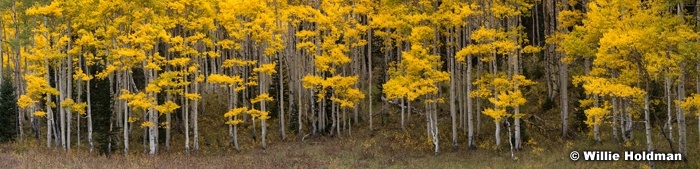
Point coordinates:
[(363, 151), (387, 147)]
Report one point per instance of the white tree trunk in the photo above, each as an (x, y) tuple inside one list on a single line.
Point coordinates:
[(369, 59), (168, 97), (195, 114), (403, 111), (596, 126), (669, 116), (186, 116), (153, 118), (62, 96), (614, 118), (647, 126), (470, 112), (125, 125), (564, 96), (89, 111), (498, 133), (453, 111), (681, 115), (280, 92)]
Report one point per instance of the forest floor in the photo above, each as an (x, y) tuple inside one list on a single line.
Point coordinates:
[(382, 149), (385, 147)]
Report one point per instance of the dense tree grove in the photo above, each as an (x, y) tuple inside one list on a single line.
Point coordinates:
[(95, 71)]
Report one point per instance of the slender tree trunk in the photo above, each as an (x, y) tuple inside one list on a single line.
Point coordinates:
[(263, 89), (235, 127), (647, 125), (470, 112), (370, 72), (49, 112), (89, 111), (280, 92), (186, 116), (623, 119), (300, 91), (153, 118), (126, 119), (596, 126), (69, 87), (61, 98), (516, 109), (563, 80), (510, 140), (453, 110), (403, 111), (478, 112), (614, 117), (195, 114), (680, 114), (669, 116)]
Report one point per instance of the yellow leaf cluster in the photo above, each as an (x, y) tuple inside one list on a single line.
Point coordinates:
[(509, 99), (79, 108), (234, 122), (235, 112), (37, 86), (181, 62), (224, 79), (595, 115), (67, 103), (604, 87), (268, 69), (261, 97), (146, 124), (153, 88), (25, 101), (167, 107), (39, 113), (137, 101), (79, 75), (691, 103), (53, 9), (496, 114), (132, 119), (228, 63), (193, 96)]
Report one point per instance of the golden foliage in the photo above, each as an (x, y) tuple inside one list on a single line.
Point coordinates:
[(167, 107), (39, 113)]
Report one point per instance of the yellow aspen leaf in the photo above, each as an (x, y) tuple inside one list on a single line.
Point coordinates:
[(200, 78), (595, 115), (235, 112), (146, 124), (167, 107), (496, 114), (39, 113), (79, 108), (67, 103), (261, 97), (153, 88), (268, 69), (193, 96), (132, 119), (25, 101)]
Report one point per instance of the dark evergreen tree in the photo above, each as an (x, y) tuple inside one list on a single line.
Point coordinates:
[(102, 112), (8, 110)]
